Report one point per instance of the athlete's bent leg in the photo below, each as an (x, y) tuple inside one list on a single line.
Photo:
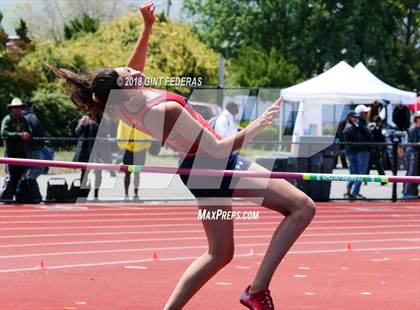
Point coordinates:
[(283, 197), (219, 253)]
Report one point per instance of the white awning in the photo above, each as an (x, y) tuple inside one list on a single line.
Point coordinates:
[(344, 84), (393, 94)]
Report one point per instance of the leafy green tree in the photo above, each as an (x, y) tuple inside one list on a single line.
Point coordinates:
[(316, 34), (56, 112), (161, 17), (255, 67), (22, 31), (15, 81), (3, 34), (79, 27), (173, 52)]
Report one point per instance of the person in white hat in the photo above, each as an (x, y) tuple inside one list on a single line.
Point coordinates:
[(357, 154), (15, 132), (362, 111)]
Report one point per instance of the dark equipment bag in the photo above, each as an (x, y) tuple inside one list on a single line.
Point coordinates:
[(76, 192), (57, 190), (27, 191)]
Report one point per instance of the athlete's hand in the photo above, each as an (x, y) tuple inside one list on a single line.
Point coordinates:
[(24, 136), (147, 10), (85, 121), (271, 114)]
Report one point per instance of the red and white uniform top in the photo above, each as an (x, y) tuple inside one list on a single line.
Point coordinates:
[(178, 143)]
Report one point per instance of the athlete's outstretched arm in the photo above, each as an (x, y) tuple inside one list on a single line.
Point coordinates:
[(182, 123), (137, 59)]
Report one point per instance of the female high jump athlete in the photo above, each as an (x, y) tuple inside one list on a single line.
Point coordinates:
[(168, 117)]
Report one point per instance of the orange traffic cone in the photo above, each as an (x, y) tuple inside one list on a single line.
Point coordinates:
[(41, 263), (155, 255), (348, 246)]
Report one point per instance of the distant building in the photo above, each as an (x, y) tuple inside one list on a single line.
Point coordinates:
[(11, 44)]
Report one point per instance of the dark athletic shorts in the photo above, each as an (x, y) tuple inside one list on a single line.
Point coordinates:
[(204, 186), (134, 158)]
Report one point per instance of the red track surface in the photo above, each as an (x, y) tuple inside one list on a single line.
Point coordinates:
[(100, 257)]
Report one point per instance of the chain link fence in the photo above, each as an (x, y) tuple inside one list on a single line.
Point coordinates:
[(393, 156)]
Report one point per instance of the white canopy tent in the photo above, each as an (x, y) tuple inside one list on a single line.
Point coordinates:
[(391, 94), (337, 85), (328, 91), (326, 95)]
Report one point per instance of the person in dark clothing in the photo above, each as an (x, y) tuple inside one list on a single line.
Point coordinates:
[(34, 147), (15, 131), (340, 138), (91, 149), (87, 129), (401, 117), (358, 155), (413, 169), (376, 157), (363, 113)]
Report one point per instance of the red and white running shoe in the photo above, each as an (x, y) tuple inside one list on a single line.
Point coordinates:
[(260, 300)]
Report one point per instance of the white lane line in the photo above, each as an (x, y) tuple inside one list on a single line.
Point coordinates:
[(310, 228), (163, 207), (194, 257), (108, 263), (80, 302), (380, 259), (183, 219), (223, 283), (173, 248), (160, 211), (417, 232), (197, 247), (196, 238), (135, 267), (194, 214), (353, 250), (366, 293)]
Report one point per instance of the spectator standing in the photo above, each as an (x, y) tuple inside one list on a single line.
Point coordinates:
[(340, 139), (413, 169), (86, 130), (358, 155), (225, 123), (401, 117), (362, 112), (135, 153), (34, 146), (15, 131), (376, 157)]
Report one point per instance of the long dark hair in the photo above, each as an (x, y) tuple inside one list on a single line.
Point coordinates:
[(88, 93)]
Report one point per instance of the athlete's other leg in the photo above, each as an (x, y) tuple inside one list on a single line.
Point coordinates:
[(127, 182), (219, 253), (283, 197), (136, 184)]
